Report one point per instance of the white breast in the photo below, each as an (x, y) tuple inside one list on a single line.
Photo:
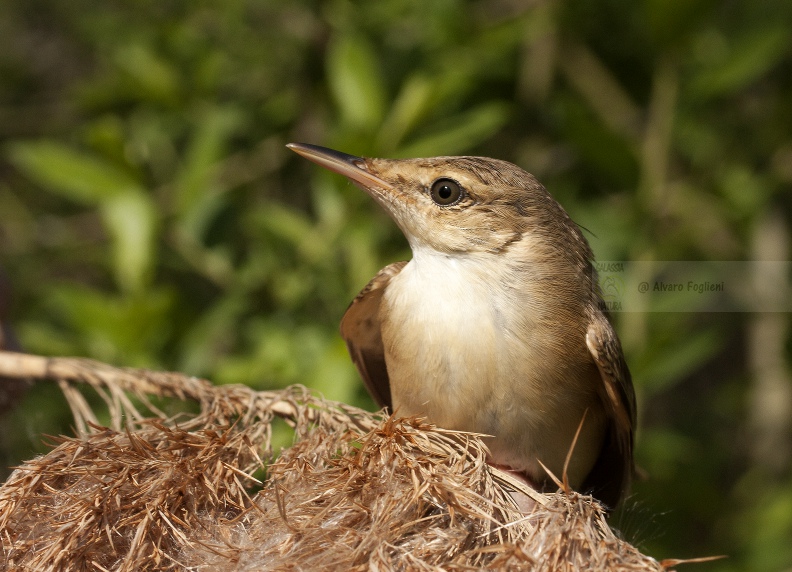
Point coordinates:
[(465, 348), (449, 317)]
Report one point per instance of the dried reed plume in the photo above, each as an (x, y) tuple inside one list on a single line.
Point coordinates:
[(355, 491)]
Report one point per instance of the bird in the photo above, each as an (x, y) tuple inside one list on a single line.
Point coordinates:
[(496, 325)]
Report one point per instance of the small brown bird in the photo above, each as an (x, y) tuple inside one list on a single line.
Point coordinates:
[(496, 325)]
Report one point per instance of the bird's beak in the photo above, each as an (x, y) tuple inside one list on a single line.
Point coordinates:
[(350, 166)]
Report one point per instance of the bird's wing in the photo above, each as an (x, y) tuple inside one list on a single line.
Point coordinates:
[(361, 329), (611, 475)]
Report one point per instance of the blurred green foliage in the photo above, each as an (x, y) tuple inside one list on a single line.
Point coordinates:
[(151, 216)]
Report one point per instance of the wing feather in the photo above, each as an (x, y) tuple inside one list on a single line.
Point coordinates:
[(361, 329), (610, 478)]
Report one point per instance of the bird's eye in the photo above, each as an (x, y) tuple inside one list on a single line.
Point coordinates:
[(445, 192)]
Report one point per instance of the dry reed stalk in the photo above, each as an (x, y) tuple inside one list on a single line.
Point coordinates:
[(355, 491)]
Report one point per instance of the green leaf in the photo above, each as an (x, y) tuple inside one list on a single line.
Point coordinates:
[(206, 149), (333, 374), (155, 78), (76, 175), (610, 153), (461, 133), (130, 330), (131, 219), (745, 190), (212, 333), (284, 221), (749, 58), (411, 105), (670, 21), (664, 366), (356, 82)]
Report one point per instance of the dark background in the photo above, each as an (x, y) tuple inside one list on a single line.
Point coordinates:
[(151, 216)]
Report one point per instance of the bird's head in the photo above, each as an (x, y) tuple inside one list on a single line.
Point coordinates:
[(456, 205)]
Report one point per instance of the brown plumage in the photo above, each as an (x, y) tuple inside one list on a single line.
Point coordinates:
[(496, 325)]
